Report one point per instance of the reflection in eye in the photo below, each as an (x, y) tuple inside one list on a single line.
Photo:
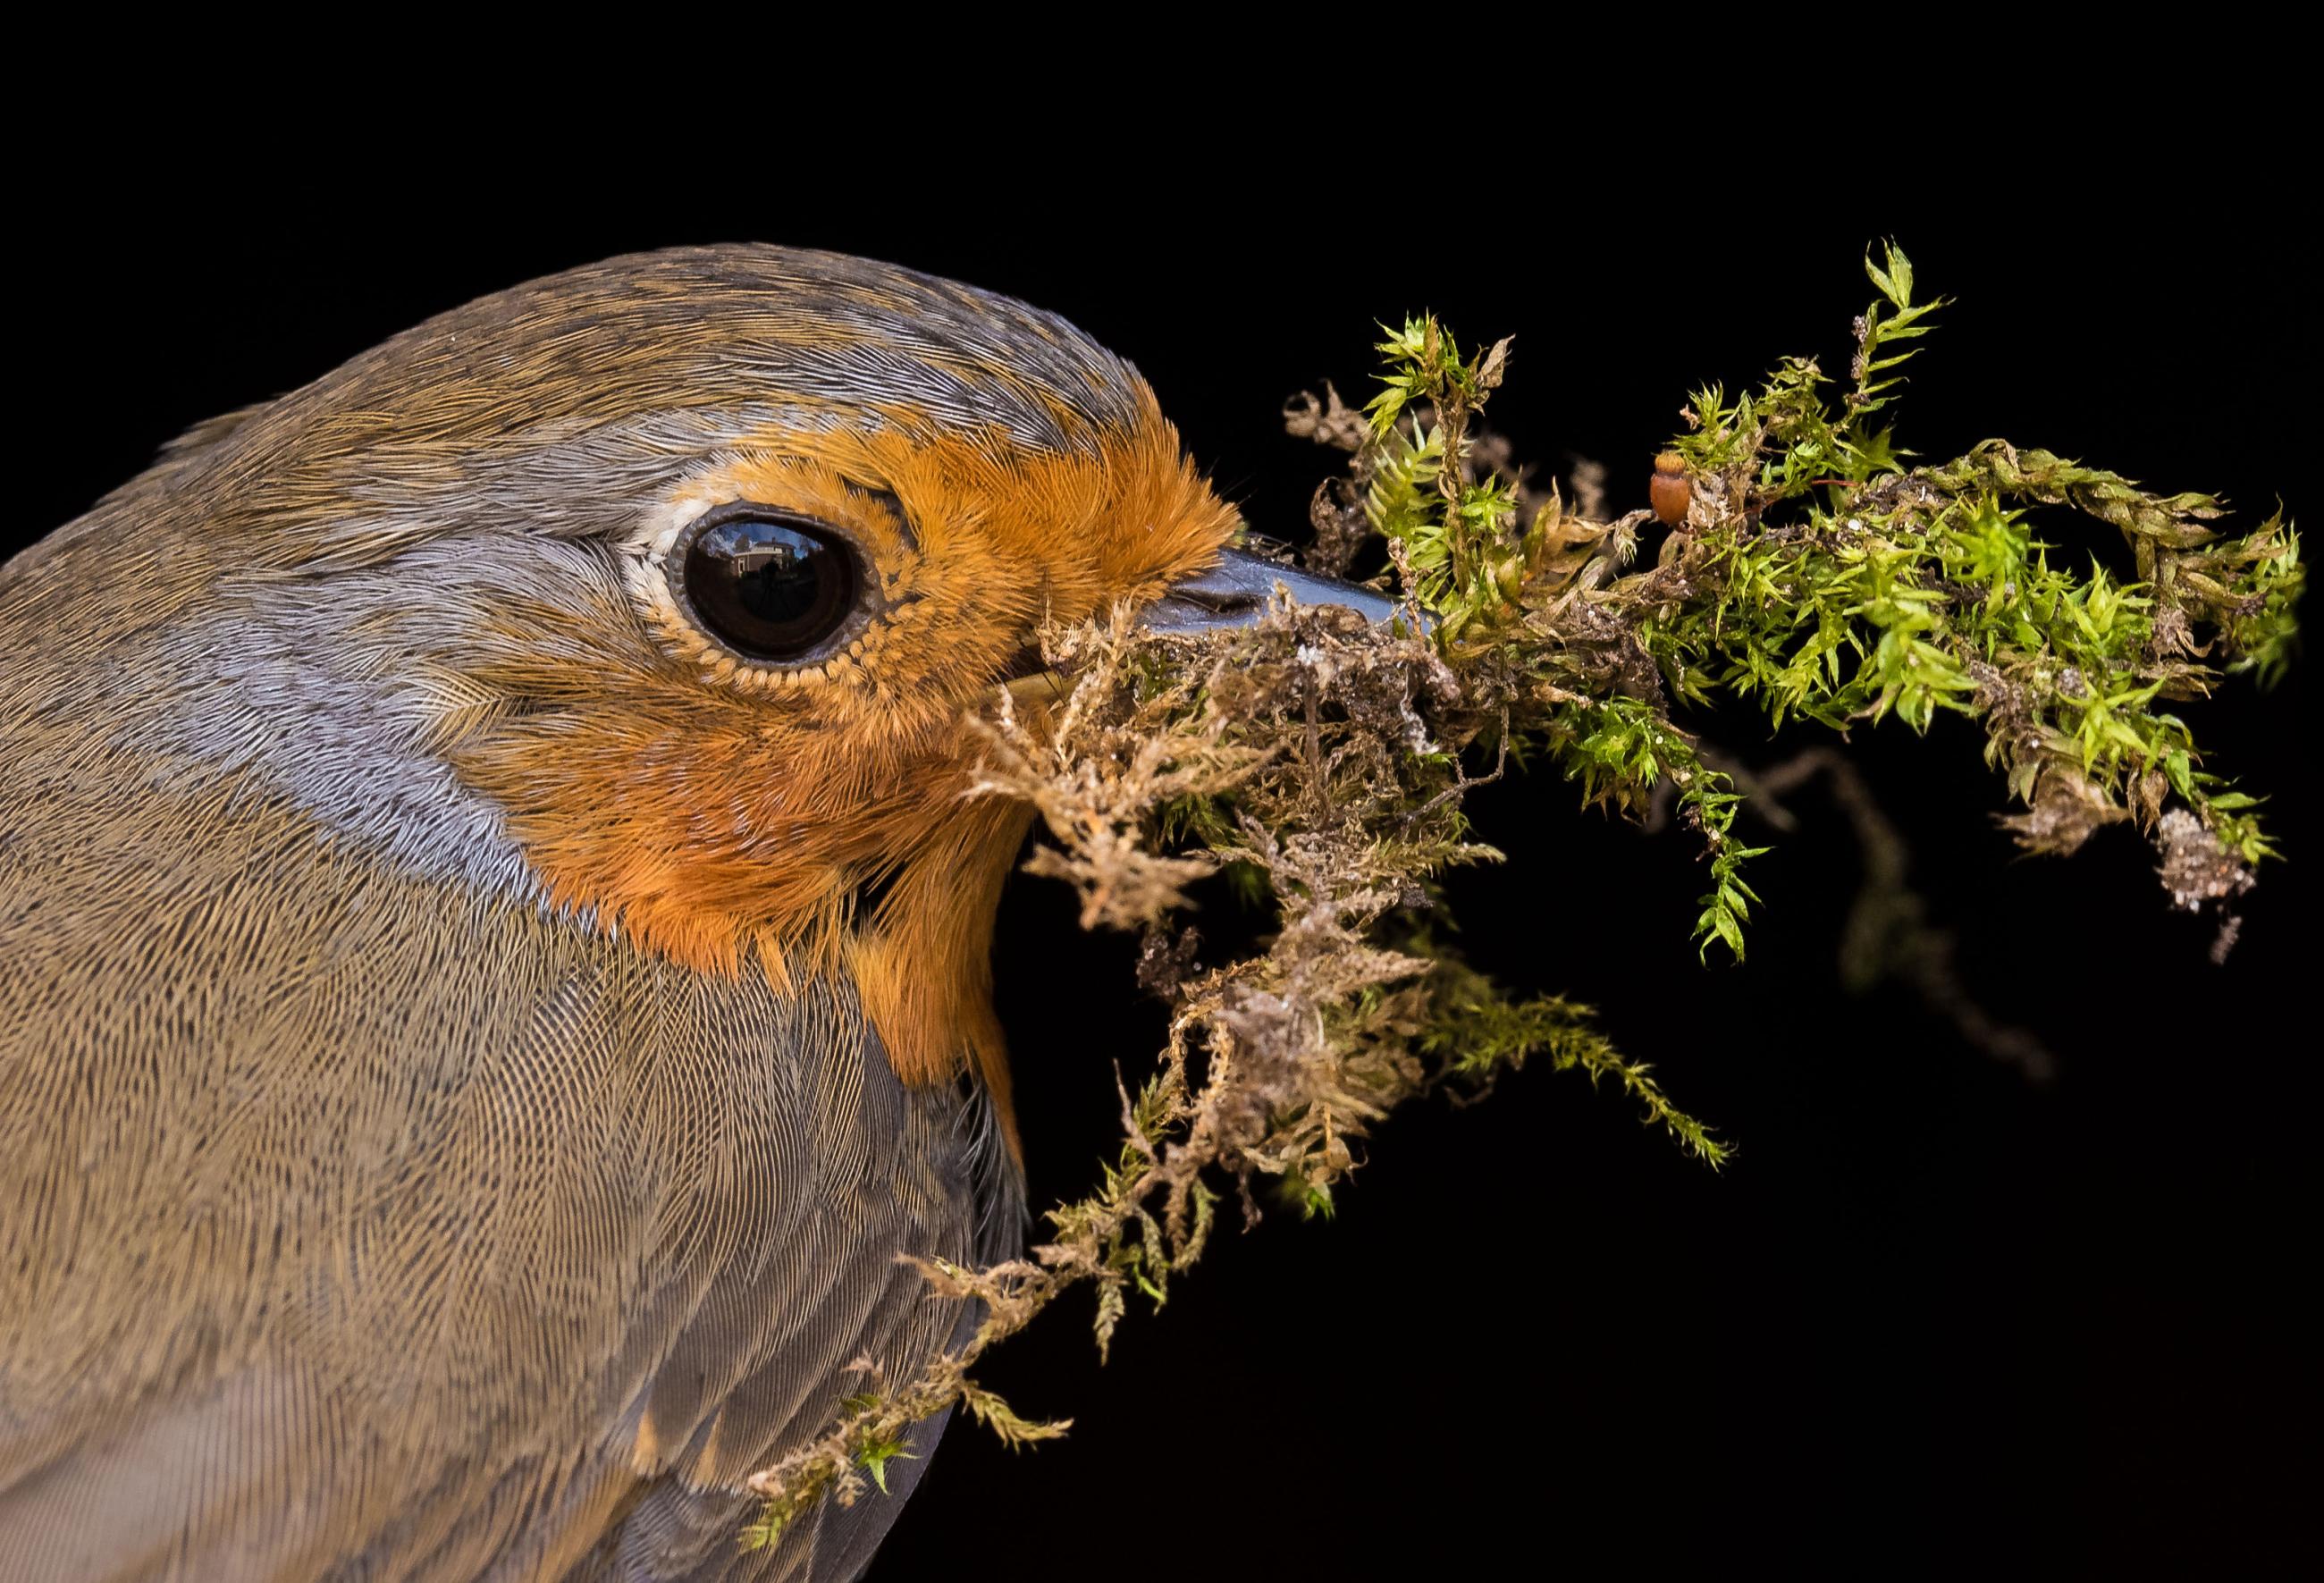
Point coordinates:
[(771, 587)]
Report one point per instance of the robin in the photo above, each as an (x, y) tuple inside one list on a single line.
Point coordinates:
[(496, 954)]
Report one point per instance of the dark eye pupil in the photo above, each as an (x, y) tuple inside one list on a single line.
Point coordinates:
[(774, 589)]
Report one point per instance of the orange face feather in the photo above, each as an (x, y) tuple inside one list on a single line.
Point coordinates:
[(729, 814)]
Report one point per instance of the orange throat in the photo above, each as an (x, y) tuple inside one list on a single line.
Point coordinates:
[(818, 822), (923, 961), (897, 894)]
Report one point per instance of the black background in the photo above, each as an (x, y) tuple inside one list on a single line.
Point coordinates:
[(1932, 1309)]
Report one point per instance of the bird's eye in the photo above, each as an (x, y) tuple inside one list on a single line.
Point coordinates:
[(771, 586)]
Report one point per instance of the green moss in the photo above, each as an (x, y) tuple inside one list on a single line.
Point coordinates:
[(1823, 577), (1822, 573)]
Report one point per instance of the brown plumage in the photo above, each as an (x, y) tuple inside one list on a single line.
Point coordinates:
[(473, 1041)]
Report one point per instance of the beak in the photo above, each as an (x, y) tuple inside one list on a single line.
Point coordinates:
[(1234, 594)]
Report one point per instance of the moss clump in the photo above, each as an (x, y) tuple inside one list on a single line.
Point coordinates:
[(1806, 565)]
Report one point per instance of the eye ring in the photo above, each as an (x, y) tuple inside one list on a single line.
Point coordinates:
[(770, 586)]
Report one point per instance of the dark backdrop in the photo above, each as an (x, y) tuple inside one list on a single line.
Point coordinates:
[(1934, 1307)]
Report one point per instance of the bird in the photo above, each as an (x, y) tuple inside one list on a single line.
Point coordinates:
[(497, 955)]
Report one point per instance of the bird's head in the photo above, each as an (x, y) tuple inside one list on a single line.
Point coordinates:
[(658, 593)]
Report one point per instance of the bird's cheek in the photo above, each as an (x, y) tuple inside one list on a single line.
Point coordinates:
[(712, 834)]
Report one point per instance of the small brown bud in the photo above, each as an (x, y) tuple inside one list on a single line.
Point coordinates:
[(1670, 491)]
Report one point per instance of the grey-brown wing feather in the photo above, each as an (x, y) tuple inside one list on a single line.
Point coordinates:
[(360, 1228)]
